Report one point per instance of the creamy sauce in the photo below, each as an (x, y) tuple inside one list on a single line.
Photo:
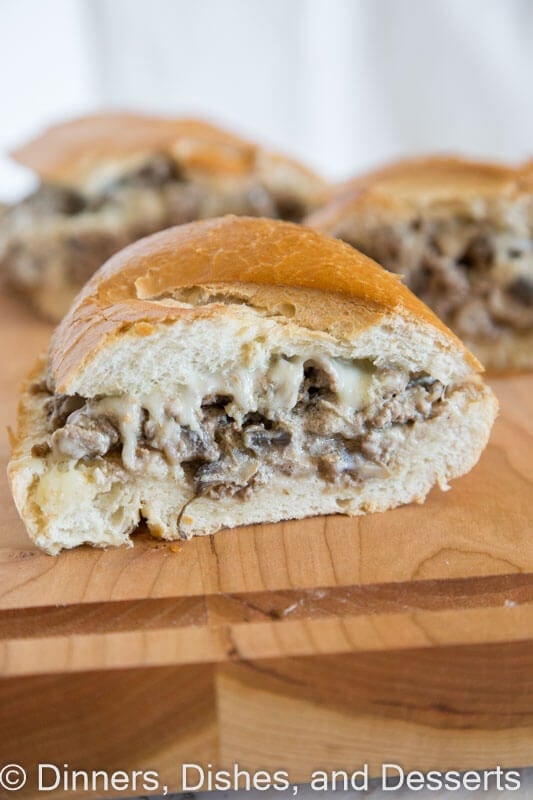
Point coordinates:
[(272, 391)]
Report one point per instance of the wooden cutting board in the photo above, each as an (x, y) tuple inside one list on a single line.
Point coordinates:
[(404, 637)]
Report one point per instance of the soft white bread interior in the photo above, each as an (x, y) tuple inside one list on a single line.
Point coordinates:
[(238, 371)]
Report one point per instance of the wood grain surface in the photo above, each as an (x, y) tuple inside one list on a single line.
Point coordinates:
[(324, 643)]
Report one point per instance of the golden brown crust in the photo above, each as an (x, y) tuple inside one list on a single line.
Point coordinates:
[(235, 251), (449, 175), (403, 187), (36, 375), (526, 173), (70, 151)]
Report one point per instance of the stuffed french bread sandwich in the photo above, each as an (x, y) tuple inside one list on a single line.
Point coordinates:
[(106, 180), (237, 371), (461, 234)]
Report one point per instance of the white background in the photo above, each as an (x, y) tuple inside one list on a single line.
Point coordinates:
[(342, 84)]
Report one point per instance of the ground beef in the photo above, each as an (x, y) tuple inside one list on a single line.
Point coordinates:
[(180, 444), (80, 253), (478, 254), (521, 290), (182, 202), (416, 402), (442, 286), (160, 170), (60, 407), (290, 208), (84, 436), (471, 275), (223, 458), (51, 199), (232, 474), (317, 383), (259, 437)]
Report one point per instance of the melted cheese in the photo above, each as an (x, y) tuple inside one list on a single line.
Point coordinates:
[(352, 385), (272, 391), (284, 379), (126, 412)]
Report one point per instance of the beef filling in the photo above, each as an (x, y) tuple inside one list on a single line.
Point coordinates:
[(158, 171), (477, 279), (49, 199), (225, 457), (59, 227), (80, 253)]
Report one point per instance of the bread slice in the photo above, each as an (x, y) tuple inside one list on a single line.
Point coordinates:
[(237, 371), (461, 234), (109, 179)]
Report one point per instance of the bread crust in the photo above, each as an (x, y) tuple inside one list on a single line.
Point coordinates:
[(70, 152), (401, 188), (328, 281), (441, 189), (436, 178)]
